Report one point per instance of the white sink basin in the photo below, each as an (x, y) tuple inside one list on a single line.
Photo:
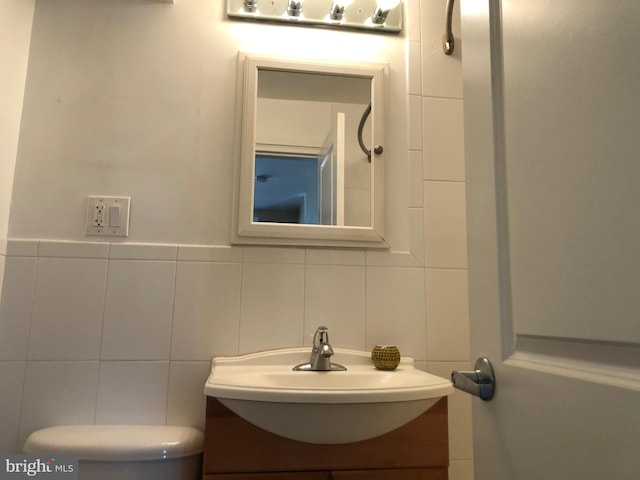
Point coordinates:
[(323, 407)]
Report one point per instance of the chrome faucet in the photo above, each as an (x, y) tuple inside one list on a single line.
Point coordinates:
[(320, 360)]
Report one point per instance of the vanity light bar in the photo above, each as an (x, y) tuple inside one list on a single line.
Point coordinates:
[(337, 10), (371, 15), (294, 9)]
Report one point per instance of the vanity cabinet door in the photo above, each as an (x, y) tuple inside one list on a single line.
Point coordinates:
[(270, 476), (393, 474), (233, 445)]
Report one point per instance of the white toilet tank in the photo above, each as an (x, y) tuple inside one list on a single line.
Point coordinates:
[(125, 452)]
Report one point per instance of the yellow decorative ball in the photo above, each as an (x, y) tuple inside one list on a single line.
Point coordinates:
[(385, 357)]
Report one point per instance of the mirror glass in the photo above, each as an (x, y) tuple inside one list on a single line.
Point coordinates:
[(307, 172), (309, 167)]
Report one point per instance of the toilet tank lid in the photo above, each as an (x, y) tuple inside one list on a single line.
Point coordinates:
[(117, 442)]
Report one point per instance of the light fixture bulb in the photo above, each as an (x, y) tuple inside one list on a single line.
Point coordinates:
[(295, 8), (337, 9), (250, 5), (383, 7)]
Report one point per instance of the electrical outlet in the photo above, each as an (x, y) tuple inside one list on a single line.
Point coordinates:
[(99, 214), (108, 216)]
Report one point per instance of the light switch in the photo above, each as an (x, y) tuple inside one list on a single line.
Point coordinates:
[(108, 216), (114, 216)]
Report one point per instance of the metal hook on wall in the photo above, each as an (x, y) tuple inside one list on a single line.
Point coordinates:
[(448, 42), (378, 148), (365, 115)]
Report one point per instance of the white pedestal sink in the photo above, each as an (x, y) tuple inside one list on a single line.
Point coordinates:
[(323, 407)]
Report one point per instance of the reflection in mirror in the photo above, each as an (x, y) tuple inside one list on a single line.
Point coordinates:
[(306, 172), (286, 189), (309, 165)]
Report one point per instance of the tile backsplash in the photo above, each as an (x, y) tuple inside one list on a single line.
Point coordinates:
[(124, 333), (120, 333)]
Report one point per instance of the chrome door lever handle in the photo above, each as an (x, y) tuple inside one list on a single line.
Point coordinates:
[(480, 382)]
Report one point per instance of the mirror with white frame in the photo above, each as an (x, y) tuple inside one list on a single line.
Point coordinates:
[(311, 153)]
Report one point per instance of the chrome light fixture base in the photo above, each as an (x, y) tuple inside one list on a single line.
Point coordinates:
[(250, 6), (369, 15)]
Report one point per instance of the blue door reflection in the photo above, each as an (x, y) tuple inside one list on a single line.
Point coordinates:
[(286, 189)]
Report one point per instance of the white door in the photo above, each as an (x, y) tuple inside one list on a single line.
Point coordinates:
[(331, 161), (326, 188), (552, 140)]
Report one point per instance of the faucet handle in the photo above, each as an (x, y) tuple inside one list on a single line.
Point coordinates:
[(321, 336)]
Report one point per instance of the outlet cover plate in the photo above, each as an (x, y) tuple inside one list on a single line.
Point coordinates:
[(101, 216)]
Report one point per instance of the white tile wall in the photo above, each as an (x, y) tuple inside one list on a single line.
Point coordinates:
[(73, 249), (415, 122), (57, 392), (272, 306), (443, 145), (67, 309), (113, 332), (138, 310), (110, 340), (460, 438), (132, 392), (395, 309), (12, 379), (186, 402), (441, 74), (206, 315), (448, 325), (15, 307), (335, 297), (461, 469), (445, 222)]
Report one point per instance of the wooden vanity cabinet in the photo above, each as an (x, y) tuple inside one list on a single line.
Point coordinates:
[(396, 474), (235, 449), (271, 476)]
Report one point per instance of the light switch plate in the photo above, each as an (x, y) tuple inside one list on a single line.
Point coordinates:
[(108, 216)]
